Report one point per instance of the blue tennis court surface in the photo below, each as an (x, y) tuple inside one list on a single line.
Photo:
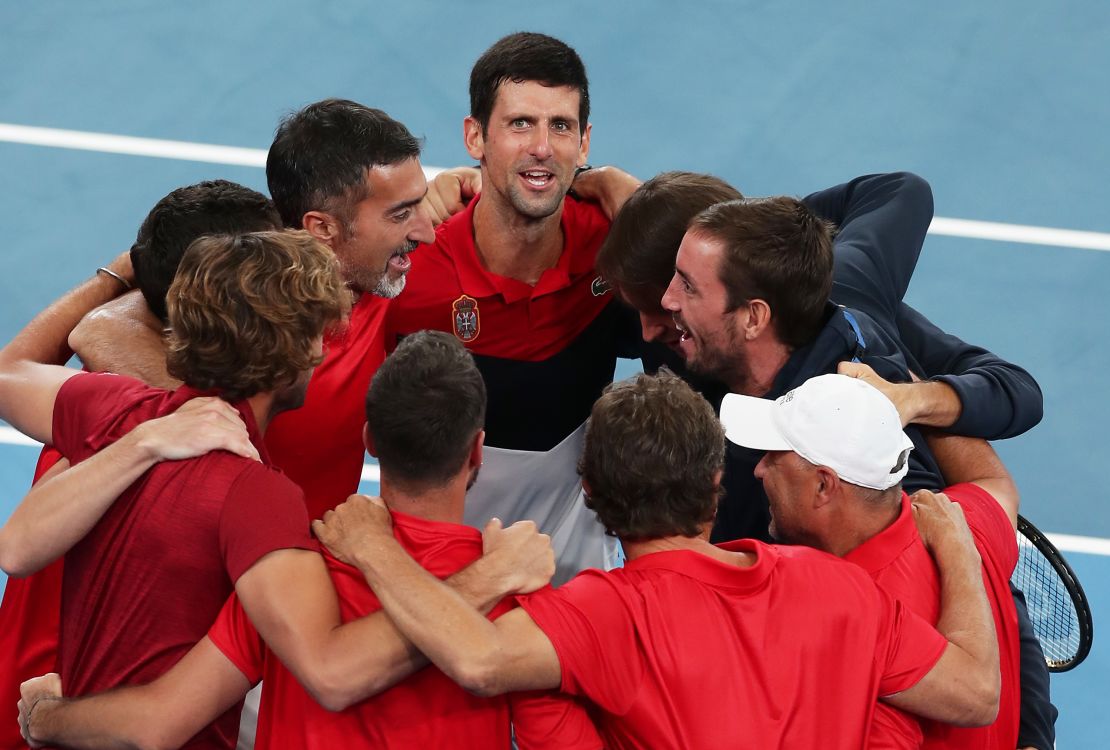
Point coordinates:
[(1001, 105)]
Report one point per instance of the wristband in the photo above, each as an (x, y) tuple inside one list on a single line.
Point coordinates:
[(116, 276), (577, 171)]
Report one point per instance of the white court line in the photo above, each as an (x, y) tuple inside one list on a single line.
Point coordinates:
[(133, 146), (256, 157), (370, 473)]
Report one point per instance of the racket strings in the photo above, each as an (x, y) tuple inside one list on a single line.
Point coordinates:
[(1050, 605)]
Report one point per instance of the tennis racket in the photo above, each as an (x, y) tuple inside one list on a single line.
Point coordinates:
[(1058, 607)]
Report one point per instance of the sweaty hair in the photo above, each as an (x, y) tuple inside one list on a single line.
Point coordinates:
[(321, 155), (776, 250), (638, 254), (213, 207), (246, 310), (653, 451), (527, 56), (426, 404)]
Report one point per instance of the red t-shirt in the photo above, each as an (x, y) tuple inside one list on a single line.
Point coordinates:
[(901, 566), (29, 618), (319, 446), (679, 650), (427, 710), (146, 583)]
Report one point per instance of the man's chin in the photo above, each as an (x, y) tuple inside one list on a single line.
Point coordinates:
[(389, 286)]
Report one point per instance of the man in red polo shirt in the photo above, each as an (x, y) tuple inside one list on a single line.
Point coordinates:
[(425, 410), (836, 455), (693, 645), (29, 615), (156, 568), (513, 278)]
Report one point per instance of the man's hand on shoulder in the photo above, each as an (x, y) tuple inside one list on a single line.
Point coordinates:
[(199, 426), (520, 555), (352, 531), (941, 523), (929, 403), (449, 192)]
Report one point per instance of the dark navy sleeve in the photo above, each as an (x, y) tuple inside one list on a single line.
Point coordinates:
[(882, 220), (999, 399)]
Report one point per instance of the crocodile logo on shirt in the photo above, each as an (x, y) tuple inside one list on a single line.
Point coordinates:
[(465, 321), (600, 286)]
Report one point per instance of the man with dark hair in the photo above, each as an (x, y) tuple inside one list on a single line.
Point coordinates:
[(668, 647), (832, 443), (246, 522), (512, 277), (212, 207), (29, 615), (425, 409), (350, 176)]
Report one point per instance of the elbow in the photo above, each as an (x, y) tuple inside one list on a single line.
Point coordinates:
[(335, 691), (13, 560), (477, 675), (982, 705)]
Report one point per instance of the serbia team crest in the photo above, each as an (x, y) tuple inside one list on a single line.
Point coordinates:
[(464, 319)]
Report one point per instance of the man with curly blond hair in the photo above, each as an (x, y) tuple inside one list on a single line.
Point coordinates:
[(247, 315)]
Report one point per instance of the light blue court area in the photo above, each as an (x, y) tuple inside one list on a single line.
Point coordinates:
[(1002, 106)]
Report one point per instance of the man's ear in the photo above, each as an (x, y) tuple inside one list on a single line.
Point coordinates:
[(322, 226), (828, 486), (757, 320), (476, 449), (474, 139), (368, 439)]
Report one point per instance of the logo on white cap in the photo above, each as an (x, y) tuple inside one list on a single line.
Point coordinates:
[(830, 420)]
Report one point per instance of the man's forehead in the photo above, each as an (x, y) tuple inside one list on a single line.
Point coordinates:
[(516, 94), (401, 181)]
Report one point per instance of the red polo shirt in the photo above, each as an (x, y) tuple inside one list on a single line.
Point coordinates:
[(146, 583), (679, 650), (319, 446), (29, 625), (899, 563), (427, 710)]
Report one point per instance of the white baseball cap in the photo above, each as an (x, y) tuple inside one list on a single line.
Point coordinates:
[(830, 420)]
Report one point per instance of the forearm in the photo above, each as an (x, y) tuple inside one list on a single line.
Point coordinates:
[(967, 622), (608, 186), (45, 339), (110, 721), (63, 507), (126, 338), (998, 399), (436, 618), (972, 460)]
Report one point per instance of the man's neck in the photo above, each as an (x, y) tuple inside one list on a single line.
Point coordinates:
[(515, 246), (444, 503), (700, 544), (262, 406), (859, 525), (765, 359)]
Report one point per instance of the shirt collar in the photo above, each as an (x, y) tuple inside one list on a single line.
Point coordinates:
[(881, 550)]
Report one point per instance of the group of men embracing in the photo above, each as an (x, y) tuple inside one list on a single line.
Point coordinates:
[(554, 560)]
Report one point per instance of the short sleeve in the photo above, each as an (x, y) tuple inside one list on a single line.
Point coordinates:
[(545, 718), (264, 511), (86, 406), (235, 637), (908, 646), (592, 631), (994, 535)]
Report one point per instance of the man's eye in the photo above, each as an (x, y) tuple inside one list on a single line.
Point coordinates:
[(519, 123), (560, 125), (402, 216)]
